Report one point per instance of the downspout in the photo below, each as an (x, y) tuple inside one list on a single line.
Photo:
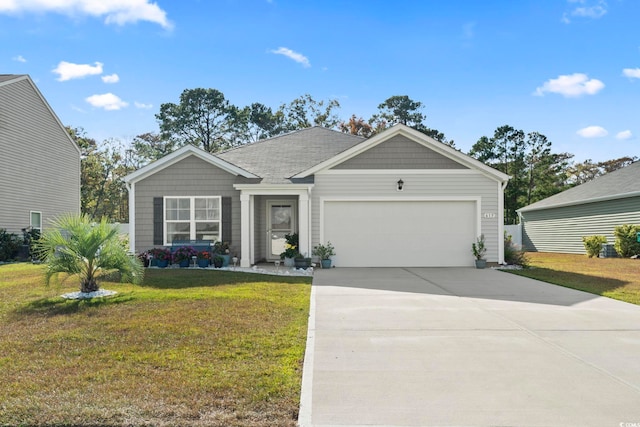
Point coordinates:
[(502, 187), (132, 216)]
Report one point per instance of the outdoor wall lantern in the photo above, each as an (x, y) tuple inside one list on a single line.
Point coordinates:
[(400, 184)]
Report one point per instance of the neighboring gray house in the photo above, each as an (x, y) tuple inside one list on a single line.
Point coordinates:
[(40, 167), (399, 198), (558, 223)]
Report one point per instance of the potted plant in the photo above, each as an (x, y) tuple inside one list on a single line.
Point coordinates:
[(479, 249), (162, 257), (204, 259), (291, 249), (300, 261), (183, 255), (217, 261), (324, 252), (222, 249)]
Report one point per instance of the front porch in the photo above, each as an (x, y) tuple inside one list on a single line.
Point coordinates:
[(268, 213)]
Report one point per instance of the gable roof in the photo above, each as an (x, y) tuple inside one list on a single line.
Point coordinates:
[(618, 184), (279, 158), (180, 154), (7, 79), (414, 135)]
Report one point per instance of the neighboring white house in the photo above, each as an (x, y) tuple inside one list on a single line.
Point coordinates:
[(40, 165), (399, 198)]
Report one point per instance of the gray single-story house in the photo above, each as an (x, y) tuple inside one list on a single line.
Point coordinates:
[(399, 198), (40, 171), (558, 223)]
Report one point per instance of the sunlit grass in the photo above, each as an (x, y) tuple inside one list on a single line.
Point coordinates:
[(617, 278), (184, 348)]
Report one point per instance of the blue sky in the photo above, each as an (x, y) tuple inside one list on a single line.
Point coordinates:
[(569, 69)]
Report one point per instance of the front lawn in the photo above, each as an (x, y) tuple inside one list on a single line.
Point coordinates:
[(617, 278), (187, 347)]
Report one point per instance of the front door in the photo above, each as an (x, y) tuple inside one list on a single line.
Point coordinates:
[(281, 220)]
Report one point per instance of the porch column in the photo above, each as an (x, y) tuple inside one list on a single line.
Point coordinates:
[(304, 230), (245, 230)]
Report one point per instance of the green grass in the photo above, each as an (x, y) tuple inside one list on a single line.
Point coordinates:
[(187, 347), (617, 278)]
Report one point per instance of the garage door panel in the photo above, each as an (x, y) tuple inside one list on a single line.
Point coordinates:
[(400, 234)]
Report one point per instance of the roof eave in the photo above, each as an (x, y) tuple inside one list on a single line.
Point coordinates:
[(532, 208)]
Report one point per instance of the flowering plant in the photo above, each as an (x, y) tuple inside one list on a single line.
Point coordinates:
[(184, 253), (204, 255), (291, 247), (160, 254), (221, 248)]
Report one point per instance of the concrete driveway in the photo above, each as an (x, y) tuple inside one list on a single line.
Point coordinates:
[(466, 347)]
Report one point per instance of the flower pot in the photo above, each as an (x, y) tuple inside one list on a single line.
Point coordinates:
[(225, 260), (203, 263), (303, 263), (162, 263), (289, 262), (184, 263), (326, 263), (217, 262), (481, 263)]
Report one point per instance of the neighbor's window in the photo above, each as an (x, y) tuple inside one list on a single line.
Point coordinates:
[(35, 220), (192, 218)]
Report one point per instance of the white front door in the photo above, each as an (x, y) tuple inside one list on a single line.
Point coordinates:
[(281, 220)]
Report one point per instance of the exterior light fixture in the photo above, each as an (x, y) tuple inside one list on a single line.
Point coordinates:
[(400, 184)]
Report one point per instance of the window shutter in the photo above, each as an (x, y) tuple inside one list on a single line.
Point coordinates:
[(158, 219), (226, 219)]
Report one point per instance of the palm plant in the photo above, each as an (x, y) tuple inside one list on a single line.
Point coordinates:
[(78, 246)]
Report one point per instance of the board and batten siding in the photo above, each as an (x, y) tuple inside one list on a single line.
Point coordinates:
[(561, 229), (190, 176), (433, 184), (40, 165)]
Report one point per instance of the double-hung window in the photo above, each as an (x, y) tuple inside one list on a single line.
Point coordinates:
[(192, 218)]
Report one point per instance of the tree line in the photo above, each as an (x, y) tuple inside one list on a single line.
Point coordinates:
[(206, 119)]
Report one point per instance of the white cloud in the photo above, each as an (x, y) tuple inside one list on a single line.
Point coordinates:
[(593, 132), (119, 12), (19, 58), (586, 9), (632, 73), (625, 134), (298, 57), (112, 78), (572, 85), (142, 105), (68, 70), (108, 101)]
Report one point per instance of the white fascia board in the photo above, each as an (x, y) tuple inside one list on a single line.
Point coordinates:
[(581, 202), (181, 154), (415, 136), (274, 189)]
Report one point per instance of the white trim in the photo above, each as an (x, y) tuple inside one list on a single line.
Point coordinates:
[(274, 189), (246, 220), (476, 199), (581, 202), (400, 171), (417, 137), (39, 228), (192, 219), (183, 153), (132, 216), (501, 188)]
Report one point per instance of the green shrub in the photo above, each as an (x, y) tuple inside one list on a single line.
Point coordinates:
[(626, 245), (512, 254), (593, 245), (9, 245)]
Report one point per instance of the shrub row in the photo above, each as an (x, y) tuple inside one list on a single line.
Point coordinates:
[(626, 244)]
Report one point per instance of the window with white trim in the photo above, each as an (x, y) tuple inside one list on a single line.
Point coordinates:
[(35, 220), (192, 218)]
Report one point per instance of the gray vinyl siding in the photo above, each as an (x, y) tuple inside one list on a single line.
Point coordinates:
[(191, 176), (40, 168), (561, 229), (400, 152), (383, 186)]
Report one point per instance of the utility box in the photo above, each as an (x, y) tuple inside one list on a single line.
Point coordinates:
[(608, 251), (638, 237)]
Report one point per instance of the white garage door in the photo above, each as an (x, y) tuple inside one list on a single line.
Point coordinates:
[(401, 233)]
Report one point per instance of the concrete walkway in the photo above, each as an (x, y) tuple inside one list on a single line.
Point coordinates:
[(466, 347)]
